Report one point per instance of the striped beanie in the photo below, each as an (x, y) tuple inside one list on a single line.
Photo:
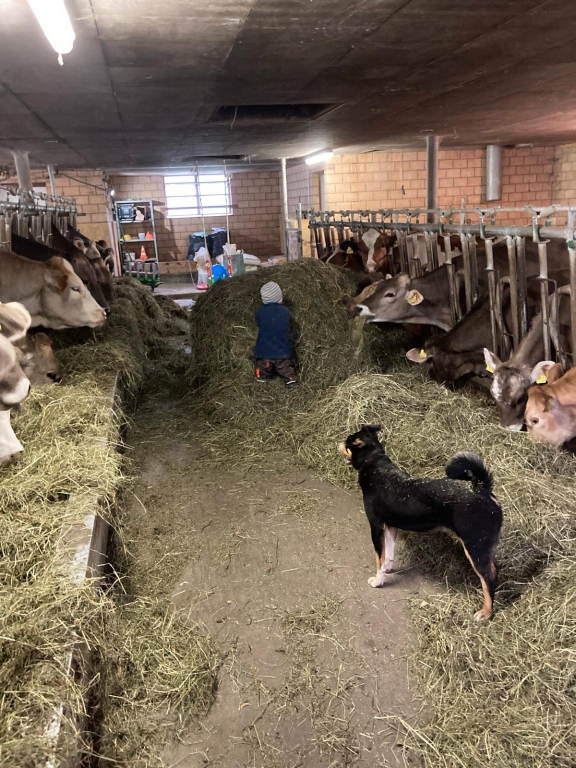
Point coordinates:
[(271, 293)]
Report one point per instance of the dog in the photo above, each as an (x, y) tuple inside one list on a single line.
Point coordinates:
[(393, 500)]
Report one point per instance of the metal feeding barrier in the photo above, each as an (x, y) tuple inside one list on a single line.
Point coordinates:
[(32, 214), (475, 228)]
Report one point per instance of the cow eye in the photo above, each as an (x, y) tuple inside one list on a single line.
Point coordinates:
[(75, 288), (534, 421), (389, 295)]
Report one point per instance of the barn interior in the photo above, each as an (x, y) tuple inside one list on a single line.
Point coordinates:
[(184, 555)]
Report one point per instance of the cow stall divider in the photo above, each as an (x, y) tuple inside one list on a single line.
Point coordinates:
[(32, 215), (408, 229)]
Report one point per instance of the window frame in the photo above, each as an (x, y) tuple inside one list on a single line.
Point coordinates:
[(198, 210)]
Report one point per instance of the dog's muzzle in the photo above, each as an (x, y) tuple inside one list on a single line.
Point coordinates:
[(343, 451)]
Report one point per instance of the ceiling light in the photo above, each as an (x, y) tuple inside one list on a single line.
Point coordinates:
[(56, 25), (321, 157)]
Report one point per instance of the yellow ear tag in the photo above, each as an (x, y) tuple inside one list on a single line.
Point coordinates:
[(349, 250), (423, 354), (489, 369), (541, 379), (413, 299)]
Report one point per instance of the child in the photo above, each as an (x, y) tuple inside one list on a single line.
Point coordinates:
[(273, 349)]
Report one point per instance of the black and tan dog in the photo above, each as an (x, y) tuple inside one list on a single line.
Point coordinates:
[(393, 500)]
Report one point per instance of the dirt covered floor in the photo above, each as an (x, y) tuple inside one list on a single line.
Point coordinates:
[(273, 563)]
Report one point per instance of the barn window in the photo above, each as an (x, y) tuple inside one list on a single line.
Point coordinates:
[(197, 194)]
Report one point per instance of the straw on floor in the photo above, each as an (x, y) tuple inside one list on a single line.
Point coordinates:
[(69, 433), (501, 693)]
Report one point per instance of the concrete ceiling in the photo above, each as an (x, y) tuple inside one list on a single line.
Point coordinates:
[(145, 77)]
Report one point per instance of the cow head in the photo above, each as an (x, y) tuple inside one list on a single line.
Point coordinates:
[(14, 386), (547, 419), (38, 361), (65, 300), (374, 247), (509, 389), (448, 366), (392, 300)]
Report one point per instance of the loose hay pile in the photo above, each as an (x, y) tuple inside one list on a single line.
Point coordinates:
[(500, 694), (70, 461)]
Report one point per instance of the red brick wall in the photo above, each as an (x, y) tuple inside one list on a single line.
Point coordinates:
[(398, 179), (254, 224), (88, 189)]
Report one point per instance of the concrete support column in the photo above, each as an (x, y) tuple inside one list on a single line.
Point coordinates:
[(432, 144)]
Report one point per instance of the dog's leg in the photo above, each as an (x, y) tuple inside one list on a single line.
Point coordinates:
[(378, 540), (390, 546), (487, 571)]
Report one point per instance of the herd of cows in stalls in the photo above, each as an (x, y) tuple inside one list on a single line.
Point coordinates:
[(528, 389), (68, 285)]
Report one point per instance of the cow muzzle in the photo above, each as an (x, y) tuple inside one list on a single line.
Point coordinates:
[(361, 310)]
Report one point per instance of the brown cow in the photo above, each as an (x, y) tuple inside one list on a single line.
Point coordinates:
[(31, 249), (37, 359), (459, 353), (551, 407), (92, 253), (52, 293), (513, 378)]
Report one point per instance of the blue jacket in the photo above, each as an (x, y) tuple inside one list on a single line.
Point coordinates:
[(273, 342)]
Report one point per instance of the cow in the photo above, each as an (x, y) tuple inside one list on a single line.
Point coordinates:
[(551, 407), (37, 359), (31, 249), (106, 253), (346, 255), (52, 293), (92, 253), (512, 379), (459, 353), (426, 300), (14, 385)]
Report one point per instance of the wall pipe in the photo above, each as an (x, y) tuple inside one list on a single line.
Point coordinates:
[(494, 162), (23, 172), (431, 175)]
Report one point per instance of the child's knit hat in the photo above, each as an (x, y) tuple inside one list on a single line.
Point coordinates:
[(271, 293)]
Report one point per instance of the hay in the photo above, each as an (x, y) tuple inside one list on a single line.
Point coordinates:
[(70, 435), (223, 328), (501, 693)]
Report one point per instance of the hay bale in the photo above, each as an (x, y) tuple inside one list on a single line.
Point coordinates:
[(223, 328)]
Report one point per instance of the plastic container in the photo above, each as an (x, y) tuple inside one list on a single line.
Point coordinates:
[(142, 235)]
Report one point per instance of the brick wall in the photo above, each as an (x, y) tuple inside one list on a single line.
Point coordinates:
[(88, 189), (254, 225), (398, 179)]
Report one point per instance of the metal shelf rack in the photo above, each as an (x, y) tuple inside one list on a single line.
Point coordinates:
[(145, 270)]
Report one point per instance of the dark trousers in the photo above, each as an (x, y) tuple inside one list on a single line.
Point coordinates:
[(266, 369)]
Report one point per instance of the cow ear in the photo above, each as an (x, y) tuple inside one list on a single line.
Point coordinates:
[(546, 371), (492, 361), (414, 297), (14, 321), (388, 276), (57, 276), (418, 355)]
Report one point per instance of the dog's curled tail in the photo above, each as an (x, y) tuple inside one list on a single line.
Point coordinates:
[(470, 466)]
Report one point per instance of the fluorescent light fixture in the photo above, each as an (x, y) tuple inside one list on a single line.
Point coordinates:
[(320, 157), (56, 25)]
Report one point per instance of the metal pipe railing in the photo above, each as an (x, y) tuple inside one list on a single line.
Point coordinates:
[(405, 225)]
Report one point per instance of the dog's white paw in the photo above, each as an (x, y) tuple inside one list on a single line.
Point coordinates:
[(376, 581), (482, 615), (388, 566)]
